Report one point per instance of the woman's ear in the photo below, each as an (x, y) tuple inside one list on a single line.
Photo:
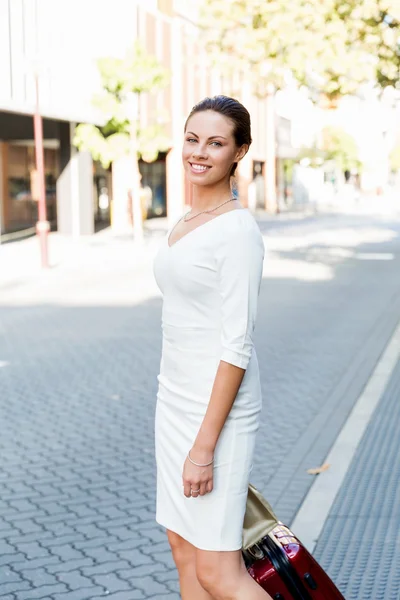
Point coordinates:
[(241, 152)]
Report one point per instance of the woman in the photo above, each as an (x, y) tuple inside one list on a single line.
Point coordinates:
[(209, 270)]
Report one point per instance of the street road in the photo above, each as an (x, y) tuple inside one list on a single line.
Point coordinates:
[(79, 355)]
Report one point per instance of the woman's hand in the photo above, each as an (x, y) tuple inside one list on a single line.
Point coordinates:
[(197, 481)]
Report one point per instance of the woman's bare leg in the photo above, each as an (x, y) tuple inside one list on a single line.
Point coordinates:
[(225, 577), (184, 555)]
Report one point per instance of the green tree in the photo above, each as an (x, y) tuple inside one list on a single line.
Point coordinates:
[(331, 46), (374, 25), (340, 146), (395, 157), (123, 81)]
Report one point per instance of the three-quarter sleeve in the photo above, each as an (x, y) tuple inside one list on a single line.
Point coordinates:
[(239, 269)]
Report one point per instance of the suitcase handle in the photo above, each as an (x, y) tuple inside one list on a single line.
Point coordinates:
[(276, 554)]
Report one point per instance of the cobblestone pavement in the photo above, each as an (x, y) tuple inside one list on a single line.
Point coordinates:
[(79, 355), (359, 544)]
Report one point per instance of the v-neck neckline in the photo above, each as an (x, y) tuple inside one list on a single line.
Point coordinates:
[(198, 227)]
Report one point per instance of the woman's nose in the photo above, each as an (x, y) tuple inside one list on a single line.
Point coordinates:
[(200, 152)]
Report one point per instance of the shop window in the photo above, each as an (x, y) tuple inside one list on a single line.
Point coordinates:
[(154, 184), (22, 207)]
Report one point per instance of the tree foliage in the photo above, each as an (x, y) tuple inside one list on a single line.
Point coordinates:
[(330, 45), (395, 157), (341, 147), (137, 73)]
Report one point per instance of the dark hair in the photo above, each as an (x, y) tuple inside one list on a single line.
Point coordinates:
[(231, 109)]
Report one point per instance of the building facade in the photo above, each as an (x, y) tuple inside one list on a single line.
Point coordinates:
[(60, 42)]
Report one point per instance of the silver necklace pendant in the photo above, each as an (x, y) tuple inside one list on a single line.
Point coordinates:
[(206, 211)]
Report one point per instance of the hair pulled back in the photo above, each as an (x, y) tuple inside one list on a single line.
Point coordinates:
[(231, 109)]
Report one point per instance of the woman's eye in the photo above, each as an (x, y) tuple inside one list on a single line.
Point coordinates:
[(190, 140), (217, 143)]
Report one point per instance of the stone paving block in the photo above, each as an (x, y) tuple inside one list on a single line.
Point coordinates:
[(97, 542), (53, 508), (52, 542), (100, 554), (21, 562), (133, 542), (3, 524), (81, 594), (165, 576), (18, 487), (156, 535), (14, 587), (22, 506), (135, 557), (143, 514), (111, 512), (29, 526), (125, 522), (165, 558), (51, 520), (7, 575), (89, 530), (151, 587), (145, 525), (116, 503), (67, 552), (143, 571), (166, 597), (173, 585), (82, 510), (112, 583), (21, 516), (131, 595), (32, 550), (124, 534), (6, 548), (105, 568), (150, 549), (72, 491), (58, 529), (104, 496), (73, 519), (7, 534), (75, 580), (70, 565), (38, 577), (42, 592), (65, 474), (10, 496), (46, 490)]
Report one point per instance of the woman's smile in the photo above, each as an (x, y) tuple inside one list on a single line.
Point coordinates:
[(198, 168)]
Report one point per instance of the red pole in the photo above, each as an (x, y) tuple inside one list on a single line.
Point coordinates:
[(42, 226)]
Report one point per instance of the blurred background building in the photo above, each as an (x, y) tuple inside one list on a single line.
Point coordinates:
[(61, 42)]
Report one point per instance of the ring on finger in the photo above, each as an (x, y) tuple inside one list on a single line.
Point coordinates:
[(195, 491)]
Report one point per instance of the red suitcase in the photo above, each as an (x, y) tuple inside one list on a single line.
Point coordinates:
[(286, 570)]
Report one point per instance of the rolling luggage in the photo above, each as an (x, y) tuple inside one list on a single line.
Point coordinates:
[(277, 560)]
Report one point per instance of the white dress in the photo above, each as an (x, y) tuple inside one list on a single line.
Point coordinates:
[(210, 281)]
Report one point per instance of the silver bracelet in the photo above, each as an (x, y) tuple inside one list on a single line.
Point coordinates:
[(198, 464)]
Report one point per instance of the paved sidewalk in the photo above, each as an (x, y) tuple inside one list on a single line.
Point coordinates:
[(360, 543), (79, 353)]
